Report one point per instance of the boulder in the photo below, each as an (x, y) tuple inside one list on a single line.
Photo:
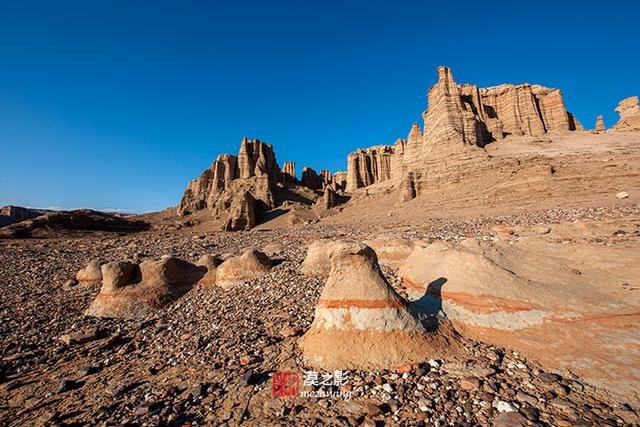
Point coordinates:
[(360, 322), (91, 274), (240, 269), (134, 291), (211, 263)]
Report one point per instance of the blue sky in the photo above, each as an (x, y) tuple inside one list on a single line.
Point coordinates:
[(110, 104)]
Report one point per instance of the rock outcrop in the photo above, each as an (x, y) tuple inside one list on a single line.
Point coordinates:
[(458, 116), (135, 291), (254, 170), (368, 166), (242, 213), (629, 111), (240, 269), (532, 294), (91, 274), (360, 322), (311, 179), (11, 214), (600, 124), (80, 220), (339, 181), (289, 172)]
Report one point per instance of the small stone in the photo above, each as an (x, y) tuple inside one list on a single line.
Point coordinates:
[(394, 405), (469, 384), (548, 377), (71, 283), (622, 195), (373, 410), (487, 397), (424, 404), (79, 337), (288, 331), (503, 406), (66, 385), (245, 360), (387, 387), (247, 378)]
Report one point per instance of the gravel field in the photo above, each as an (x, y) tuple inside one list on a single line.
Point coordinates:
[(209, 357)]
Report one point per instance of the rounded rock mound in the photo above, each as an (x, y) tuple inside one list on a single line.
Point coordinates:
[(135, 291), (91, 274), (361, 322), (240, 269)]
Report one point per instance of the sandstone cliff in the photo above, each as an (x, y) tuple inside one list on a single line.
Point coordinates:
[(459, 116)]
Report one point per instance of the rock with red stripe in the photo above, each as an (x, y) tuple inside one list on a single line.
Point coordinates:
[(91, 274), (361, 322), (554, 299), (134, 291)]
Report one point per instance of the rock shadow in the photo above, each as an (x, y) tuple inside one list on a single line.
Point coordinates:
[(429, 307)]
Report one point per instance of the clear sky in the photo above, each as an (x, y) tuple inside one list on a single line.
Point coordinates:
[(118, 104)]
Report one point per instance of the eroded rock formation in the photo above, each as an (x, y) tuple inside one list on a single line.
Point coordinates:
[(461, 115), (254, 170), (91, 274), (360, 322), (240, 269), (134, 291), (629, 115), (600, 124), (289, 172)]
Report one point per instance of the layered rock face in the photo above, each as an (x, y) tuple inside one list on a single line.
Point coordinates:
[(600, 124), (524, 292), (254, 169), (289, 172), (367, 166), (461, 115), (629, 115)]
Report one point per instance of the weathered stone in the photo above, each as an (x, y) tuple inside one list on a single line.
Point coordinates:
[(522, 291), (91, 274), (134, 291), (360, 322), (211, 263), (311, 179), (246, 267), (254, 169), (289, 172), (600, 124), (629, 111), (242, 213), (317, 261)]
